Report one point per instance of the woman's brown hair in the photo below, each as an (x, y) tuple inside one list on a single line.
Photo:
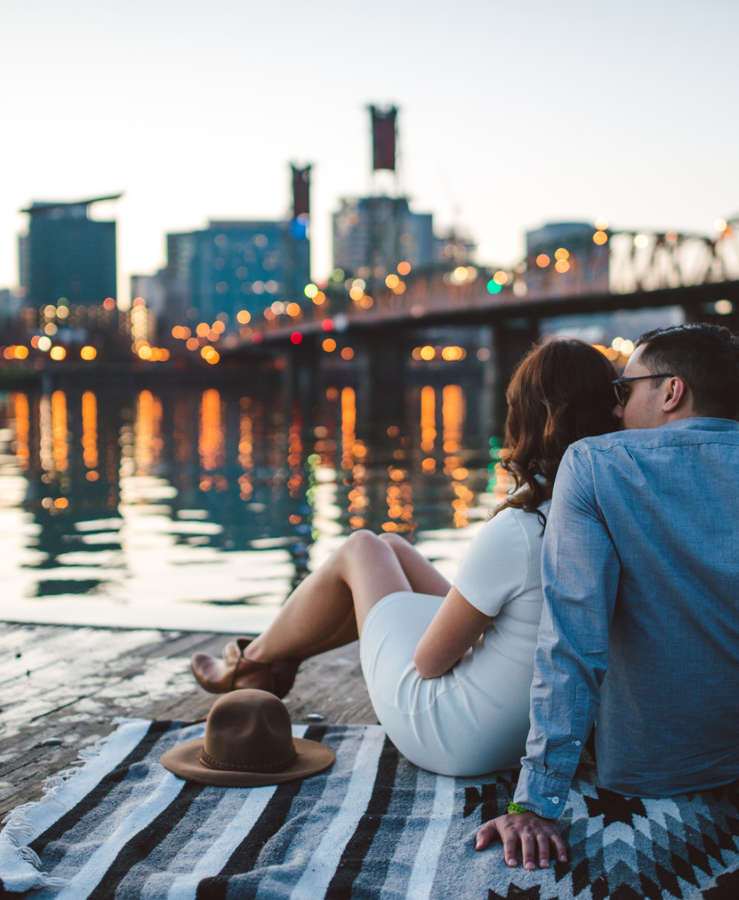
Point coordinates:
[(560, 392)]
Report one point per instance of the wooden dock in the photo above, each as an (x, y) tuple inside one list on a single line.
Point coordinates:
[(62, 687)]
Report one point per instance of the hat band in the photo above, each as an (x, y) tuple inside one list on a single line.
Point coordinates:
[(212, 763)]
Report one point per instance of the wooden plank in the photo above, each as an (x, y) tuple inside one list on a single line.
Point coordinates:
[(81, 679)]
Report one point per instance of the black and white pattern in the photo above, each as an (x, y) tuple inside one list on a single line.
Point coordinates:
[(373, 826)]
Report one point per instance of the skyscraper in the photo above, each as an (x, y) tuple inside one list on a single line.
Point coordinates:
[(67, 255), (372, 235), (236, 265)]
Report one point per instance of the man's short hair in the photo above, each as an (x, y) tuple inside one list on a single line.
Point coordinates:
[(705, 356)]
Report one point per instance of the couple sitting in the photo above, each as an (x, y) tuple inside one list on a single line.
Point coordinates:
[(606, 599)]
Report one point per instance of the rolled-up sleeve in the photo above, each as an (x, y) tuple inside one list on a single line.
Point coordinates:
[(580, 573)]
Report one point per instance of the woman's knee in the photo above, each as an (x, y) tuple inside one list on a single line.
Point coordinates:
[(393, 540), (363, 546), (363, 540)]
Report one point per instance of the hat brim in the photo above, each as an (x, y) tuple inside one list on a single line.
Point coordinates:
[(184, 761)]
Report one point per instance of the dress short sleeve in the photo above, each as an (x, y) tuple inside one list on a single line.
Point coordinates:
[(497, 564)]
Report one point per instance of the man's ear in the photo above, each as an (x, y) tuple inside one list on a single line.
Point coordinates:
[(675, 394)]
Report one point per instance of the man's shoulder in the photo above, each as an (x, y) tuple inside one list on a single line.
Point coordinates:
[(693, 431)]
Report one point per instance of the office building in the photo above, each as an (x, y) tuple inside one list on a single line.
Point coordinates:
[(564, 258), (371, 235), (66, 255), (236, 265)]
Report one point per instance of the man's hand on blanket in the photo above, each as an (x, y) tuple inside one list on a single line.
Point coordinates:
[(533, 833)]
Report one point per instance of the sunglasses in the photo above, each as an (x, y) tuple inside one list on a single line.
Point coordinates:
[(622, 386)]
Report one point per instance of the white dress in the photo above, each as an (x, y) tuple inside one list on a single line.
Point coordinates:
[(475, 718)]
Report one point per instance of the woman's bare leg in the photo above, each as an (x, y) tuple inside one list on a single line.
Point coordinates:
[(328, 608), (424, 578)]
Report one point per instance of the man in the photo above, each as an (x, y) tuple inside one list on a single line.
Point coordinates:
[(641, 584)]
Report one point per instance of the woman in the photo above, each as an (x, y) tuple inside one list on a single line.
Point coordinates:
[(448, 667)]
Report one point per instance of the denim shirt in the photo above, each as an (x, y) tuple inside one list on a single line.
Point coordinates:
[(639, 629)]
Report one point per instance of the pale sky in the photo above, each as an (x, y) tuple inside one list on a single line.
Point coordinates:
[(511, 113)]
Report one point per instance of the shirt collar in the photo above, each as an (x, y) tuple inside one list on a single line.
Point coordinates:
[(702, 423)]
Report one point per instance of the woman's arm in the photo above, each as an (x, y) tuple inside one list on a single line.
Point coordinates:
[(453, 630)]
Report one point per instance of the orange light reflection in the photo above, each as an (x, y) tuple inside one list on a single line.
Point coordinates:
[(89, 430), (210, 443), (22, 429)]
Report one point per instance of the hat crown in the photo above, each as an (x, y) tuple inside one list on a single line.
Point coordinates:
[(248, 730)]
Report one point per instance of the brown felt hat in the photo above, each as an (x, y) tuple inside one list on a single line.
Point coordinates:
[(248, 743)]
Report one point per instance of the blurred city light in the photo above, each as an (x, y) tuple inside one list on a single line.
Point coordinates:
[(453, 353), (210, 354)]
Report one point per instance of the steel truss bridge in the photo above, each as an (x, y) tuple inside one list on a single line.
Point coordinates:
[(622, 269)]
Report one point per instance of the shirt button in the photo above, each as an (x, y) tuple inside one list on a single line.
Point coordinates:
[(555, 800)]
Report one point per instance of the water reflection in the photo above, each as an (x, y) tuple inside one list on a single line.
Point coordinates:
[(191, 508)]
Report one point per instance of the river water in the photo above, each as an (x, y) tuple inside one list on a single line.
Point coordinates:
[(201, 507)]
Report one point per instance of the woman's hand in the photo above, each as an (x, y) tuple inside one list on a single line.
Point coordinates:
[(533, 833), (453, 630)]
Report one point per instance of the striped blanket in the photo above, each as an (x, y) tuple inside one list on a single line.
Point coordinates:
[(120, 825)]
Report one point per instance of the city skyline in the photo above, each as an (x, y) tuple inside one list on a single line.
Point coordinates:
[(508, 117)]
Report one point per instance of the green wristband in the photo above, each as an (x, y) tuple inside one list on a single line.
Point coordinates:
[(516, 808)]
